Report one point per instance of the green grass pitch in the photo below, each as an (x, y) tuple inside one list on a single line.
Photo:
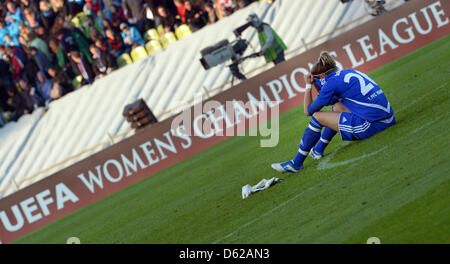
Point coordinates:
[(394, 186)]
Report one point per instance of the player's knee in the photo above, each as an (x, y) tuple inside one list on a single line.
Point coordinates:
[(317, 116)]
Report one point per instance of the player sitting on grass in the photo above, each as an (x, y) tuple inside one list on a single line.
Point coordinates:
[(360, 110)]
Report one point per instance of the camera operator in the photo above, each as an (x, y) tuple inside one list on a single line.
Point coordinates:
[(272, 45), (272, 48)]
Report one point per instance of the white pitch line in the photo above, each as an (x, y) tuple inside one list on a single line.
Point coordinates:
[(421, 97), (422, 127), (263, 215), (326, 164)]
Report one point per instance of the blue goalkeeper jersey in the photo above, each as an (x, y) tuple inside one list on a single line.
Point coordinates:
[(357, 91)]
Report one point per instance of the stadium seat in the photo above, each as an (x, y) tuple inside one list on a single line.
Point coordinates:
[(138, 53), (167, 39), (160, 30), (183, 31), (76, 21), (79, 21), (76, 82), (82, 17), (153, 46), (151, 34), (124, 59)]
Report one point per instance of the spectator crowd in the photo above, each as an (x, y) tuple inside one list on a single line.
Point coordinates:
[(47, 45)]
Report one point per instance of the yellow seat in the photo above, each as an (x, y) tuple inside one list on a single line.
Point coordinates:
[(76, 21), (160, 30), (138, 53), (79, 21), (151, 34), (76, 82), (82, 17), (167, 39), (124, 59), (153, 46), (183, 31)]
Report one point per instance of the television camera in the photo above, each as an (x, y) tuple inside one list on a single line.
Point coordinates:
[(223, 51)]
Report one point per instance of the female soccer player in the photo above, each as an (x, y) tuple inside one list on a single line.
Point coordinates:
[(360, 110)]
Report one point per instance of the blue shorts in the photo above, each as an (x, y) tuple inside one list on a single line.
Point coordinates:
[(353, 127)]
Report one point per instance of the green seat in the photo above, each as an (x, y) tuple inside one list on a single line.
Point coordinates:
[(138, 53), (153, 46), (79, 21), (124, 59), (76, 82), (82, 17), (183, 31)]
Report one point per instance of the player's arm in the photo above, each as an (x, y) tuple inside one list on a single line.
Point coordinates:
[(308, 96), (325, 98), (316, 84)]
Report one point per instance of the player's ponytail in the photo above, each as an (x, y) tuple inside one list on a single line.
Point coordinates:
[(324, 65)]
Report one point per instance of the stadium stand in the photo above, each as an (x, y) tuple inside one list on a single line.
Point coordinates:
[(89, 119), (14, 137)]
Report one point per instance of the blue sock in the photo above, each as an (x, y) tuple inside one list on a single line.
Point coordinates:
[(309, 140), (325, 138)]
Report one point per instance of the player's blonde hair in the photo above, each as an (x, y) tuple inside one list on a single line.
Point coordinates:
[(324, 65)]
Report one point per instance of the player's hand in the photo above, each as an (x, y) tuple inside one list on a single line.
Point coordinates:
[(309, 78)]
